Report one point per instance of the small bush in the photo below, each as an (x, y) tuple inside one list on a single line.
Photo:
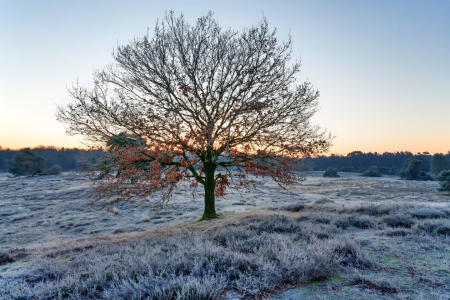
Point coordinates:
[(330, 172), (388, 171), (444, 181), (296, 207), (399, 221), (276, 224), (372, 172), (352, 255), (398, 232), (426, 213), (322, 220), (5, 258), (362, 223), (376, 210), (55, 170), (434, 227), (323, 201)]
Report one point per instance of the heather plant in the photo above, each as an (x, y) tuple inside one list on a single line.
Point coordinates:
[(252, 259), (352, 255), (444, 181), (434, 227), (399, 221), (425, 212), (372, 172), (376, 210), (26, 162), (294, 207), (352, 221), (330, 172)]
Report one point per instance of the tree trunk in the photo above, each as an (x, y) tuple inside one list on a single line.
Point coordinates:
[(210, 185)]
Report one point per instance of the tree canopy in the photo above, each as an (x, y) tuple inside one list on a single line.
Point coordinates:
[(439, 163), (26, 162), (212, 105)]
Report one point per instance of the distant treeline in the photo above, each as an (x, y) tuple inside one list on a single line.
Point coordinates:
[(67, 158), (357, 161)]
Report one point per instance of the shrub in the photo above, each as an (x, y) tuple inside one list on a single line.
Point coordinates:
[(426, 213), (372, 172), (352, 255), (296, 207), (399, 221), (323, 201), (362, 223), (426, 177), (55, 170), (388, 171), (439, 163), (5, 258), (26, 162), (398, 232), (412, 170), (434, 227), (330, 172), (276, 224), (444, 181), (322, 220), (376, 210)]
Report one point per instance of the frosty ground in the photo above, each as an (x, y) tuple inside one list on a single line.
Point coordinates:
[(57, 212), (41, 211)]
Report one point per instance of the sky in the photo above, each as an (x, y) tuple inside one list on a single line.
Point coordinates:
[(382, 67)]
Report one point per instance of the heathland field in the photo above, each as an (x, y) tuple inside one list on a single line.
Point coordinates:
[(350, 237)]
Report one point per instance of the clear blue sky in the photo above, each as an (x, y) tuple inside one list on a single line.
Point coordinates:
[(382, 67)]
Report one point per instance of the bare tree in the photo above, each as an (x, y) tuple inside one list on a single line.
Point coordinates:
[(213, 106)]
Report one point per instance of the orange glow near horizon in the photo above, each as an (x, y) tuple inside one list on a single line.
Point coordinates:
[(381, 66), (340, 146)]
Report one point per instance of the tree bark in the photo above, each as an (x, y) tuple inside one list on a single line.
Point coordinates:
[(210, 184)]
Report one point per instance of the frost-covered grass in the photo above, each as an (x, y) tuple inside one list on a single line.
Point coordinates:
[(313, 242), (252, 259)]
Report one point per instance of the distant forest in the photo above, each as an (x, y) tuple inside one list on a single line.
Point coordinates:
[(67, 158), (356, 161)]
